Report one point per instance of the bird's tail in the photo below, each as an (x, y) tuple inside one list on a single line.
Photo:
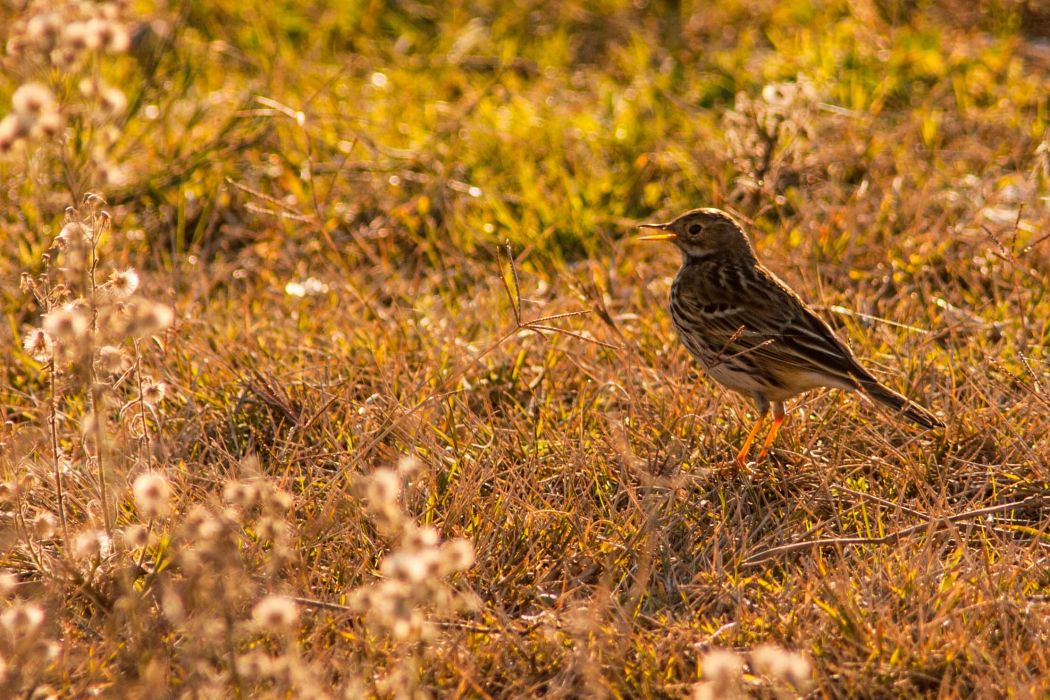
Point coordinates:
[(901, 404)]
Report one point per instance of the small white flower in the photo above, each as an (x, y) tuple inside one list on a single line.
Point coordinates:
[(136, 535), (421, 538), (255, 665)]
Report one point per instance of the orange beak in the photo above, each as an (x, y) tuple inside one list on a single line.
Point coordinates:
[(665, 236)]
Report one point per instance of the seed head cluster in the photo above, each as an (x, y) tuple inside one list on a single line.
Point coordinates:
[(50, 45), (414, 584), (786, 672), (34, 114)]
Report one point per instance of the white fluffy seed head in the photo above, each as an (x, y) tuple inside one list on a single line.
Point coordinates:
[(279, 500), (136, 535), (420, 538), (119, 40), (33, 99), (780, 664), (89, 425), (172, 606), (86, 36), (383, 488), (90, 543), (152, 495), (412, 567), (275, 613), (88, 87), (154, 392), (255, 665), (150, 317), (99, 32), (43, 29), (47, 125), (8, 583), (111, 359), (12, 128), (408, 466), (241, 494), (73, 233), (114, 174), (67, 325), (457, 555), (113, 101), (123, 283), (721, 666), (22, 621), (38, 344), (44, 525)]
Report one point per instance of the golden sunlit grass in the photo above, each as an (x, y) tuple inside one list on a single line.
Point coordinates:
[(335, 371)]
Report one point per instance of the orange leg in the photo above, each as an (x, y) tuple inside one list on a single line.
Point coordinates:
[(741, 456), (778, 420)]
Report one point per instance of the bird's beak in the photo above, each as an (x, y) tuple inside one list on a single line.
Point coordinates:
[(665, 236)]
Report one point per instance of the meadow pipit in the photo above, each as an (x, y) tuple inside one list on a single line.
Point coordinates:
[(751, 332)]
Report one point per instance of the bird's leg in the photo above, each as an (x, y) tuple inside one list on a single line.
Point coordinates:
[(741, 456), (778, 420)]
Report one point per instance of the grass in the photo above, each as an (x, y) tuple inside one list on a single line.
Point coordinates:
[(409, 315)]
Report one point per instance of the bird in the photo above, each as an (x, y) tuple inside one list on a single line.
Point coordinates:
[(751, 332)]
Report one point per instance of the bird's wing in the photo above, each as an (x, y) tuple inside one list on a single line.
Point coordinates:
[(752, 313)]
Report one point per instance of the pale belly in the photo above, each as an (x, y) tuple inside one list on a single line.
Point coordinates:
[(738, 373), (735, 378), (734, 373)]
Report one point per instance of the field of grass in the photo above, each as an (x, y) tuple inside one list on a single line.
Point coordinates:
[(333, 367)]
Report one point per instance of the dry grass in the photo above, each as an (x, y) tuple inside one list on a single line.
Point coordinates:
[(409, 315)]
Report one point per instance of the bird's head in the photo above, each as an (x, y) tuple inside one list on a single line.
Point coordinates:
[(703, 232)]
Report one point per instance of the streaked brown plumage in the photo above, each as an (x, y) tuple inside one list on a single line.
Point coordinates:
[(751, 332)]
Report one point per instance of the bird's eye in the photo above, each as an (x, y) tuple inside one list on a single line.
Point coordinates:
[(694, 229)]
